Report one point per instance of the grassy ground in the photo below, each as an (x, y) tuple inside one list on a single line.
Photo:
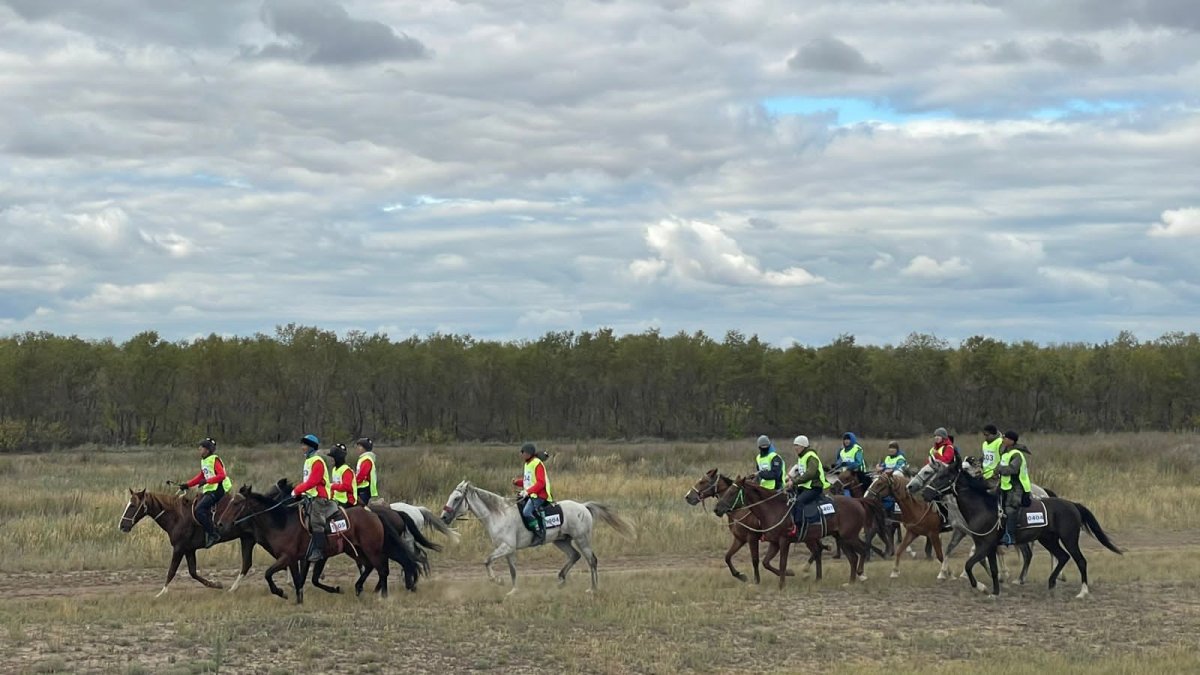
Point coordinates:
[(76, 595)]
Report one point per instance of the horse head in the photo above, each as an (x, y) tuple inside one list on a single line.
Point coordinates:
[(225, 519), (456, 503), (942, 481), (135, 510), (732, 497), (707, 486), (883, 485)]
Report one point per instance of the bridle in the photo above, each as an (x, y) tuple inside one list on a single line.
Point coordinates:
[(889, 481), (707, 492), (741, 497), (142, 507)]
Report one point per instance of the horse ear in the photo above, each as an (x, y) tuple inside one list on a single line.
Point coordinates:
[(712, 471), (130, 492)]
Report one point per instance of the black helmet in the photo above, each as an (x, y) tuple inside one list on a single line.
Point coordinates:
[(528, 449), (338, 452), (209, 445), (366, 443)]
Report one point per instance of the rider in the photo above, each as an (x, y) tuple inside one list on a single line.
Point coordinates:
[(315, 488), (894, 460), (342, 488), (851, 458), (216, 483), (943, 449), (807, 478), (1013, 493), (535, 486), (364, 471), (991, 455), (771, 467)]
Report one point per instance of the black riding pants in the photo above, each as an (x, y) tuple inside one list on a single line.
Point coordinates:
[(204, 509)]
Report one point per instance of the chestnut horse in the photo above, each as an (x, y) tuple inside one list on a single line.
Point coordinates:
[(176, 517), (920, 518), (774, 510), (743, 525)]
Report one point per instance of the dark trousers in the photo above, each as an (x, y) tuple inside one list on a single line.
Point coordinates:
[(364, 496), (204, 509)]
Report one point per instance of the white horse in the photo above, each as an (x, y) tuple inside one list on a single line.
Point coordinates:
[(507, 530)]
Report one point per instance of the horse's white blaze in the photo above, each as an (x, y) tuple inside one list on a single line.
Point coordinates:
[(1083, 592)]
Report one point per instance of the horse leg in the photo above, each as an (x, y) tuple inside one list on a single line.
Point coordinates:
[(956, 535), (1072, 546), (585, 545), (279, 564), (191, 561), (247, 561), (928, 547), (500, 551), (852, 556), (991, 558), (318, 570), (968, 568), (176, 557), (511, 559), (754, 539), (909, 537), (818, 550), (299, 579), (944, 571), (736, 546), (1026, 558), (573, 557), (784, 545), (1049, 541)]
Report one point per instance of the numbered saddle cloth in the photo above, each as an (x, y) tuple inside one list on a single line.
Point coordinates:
[(552, 515), (1033, 516)]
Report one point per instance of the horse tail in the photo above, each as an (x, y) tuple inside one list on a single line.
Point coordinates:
[(393, 543), (610, 517), (1093, 527), (415, 531), (436, 523)]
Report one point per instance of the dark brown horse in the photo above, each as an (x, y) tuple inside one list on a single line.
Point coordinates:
[(1063, 521), (279, 525), (176, 516), (743, 525), (774, 511)]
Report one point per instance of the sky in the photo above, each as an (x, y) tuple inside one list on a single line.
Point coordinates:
[(1024, 170)]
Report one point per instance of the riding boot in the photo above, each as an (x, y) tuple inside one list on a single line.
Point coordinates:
[(210, 538), (539, 534), (316, 547), (1010, 525)]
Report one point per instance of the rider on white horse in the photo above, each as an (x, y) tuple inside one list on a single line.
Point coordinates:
[(535, 489)]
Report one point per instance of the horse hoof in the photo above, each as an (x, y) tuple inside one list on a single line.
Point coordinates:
[(337, 589), (162, 592), (589, 591), (941, 576), (1083, 592), (739, 576), (894, 574), (993, 598), (963, 576), (862, 577), (511, 592), (981, 587)]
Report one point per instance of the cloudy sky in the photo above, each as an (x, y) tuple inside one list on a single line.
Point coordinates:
[(1022, 169)]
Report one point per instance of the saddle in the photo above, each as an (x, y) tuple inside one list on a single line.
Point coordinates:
[(550, 512), (816, 513), (1033, 516)]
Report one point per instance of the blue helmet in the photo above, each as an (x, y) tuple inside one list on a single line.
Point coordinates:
[(311, 441)]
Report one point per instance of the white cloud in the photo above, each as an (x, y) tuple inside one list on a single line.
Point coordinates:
[(924, 267), (882, 261), (1014, 249), (1177, 223), (699, 251)]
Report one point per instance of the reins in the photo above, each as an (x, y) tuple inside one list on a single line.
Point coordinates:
[(787, 513)]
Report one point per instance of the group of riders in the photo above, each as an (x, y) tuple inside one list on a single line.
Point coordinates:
[(323, 491), (1004, 468)]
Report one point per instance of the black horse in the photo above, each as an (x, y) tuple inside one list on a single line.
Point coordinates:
[(1064, 520)]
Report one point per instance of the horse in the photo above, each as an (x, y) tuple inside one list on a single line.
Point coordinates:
[(920, 519), (176, 516), (742, 523), (845, 482), (774, 510), (279, 525), (1063, 522), (508, 533)]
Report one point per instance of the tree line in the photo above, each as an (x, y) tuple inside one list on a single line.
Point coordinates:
[(63, 391)]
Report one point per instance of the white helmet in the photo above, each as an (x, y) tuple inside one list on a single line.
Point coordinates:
[(801, 441)]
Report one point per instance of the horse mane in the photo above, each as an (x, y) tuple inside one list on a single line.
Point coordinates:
[(978, 486), (493, 502), (168, 502), (279, 516)]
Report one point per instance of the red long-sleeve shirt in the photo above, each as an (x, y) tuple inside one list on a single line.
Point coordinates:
[(364, 471), (218, 475), (538, 488), (943, 453), (316, 479), (345, 484)]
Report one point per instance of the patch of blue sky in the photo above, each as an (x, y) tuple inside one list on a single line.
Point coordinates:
[(848, 111), (1078, 107)]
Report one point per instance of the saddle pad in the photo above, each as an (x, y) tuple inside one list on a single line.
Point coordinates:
[(1032, 517), (552, 515)]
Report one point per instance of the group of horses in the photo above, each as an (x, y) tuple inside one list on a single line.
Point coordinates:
[(756, 514), (375, 534)]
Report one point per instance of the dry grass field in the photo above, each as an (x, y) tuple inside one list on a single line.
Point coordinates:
[(77, 595)]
